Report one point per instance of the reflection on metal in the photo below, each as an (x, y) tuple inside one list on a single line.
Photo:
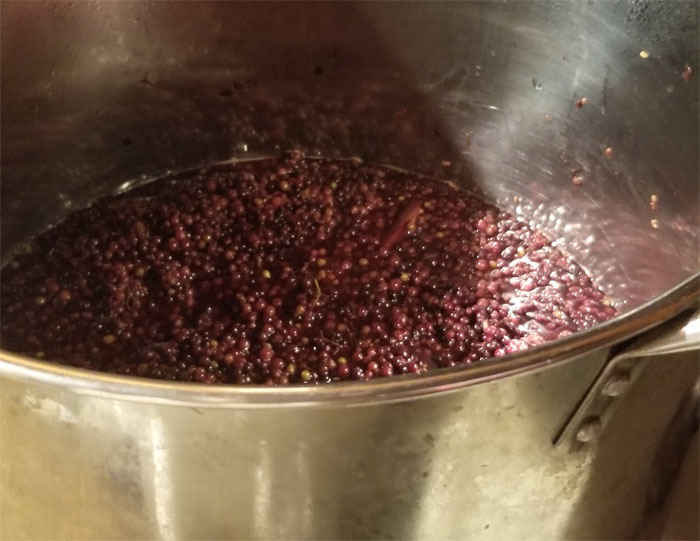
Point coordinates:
[(163, 496)]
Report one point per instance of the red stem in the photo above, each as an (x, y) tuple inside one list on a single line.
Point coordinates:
[(398, 230)]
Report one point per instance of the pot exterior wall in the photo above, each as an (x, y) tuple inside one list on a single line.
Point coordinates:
[(474, 464)]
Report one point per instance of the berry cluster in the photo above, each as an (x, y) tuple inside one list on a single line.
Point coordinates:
[(291, 271)]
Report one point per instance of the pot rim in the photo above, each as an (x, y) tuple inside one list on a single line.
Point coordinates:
[(397, 388)]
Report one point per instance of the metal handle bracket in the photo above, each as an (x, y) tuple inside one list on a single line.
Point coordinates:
[(597, 407)]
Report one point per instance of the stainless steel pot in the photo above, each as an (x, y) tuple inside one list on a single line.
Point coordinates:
[(572, 439)]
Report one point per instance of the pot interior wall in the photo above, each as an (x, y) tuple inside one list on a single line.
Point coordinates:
[(95, 95)]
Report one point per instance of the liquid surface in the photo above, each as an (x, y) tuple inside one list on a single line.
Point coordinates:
[(291, 271)]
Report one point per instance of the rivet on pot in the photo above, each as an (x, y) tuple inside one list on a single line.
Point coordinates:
[(589, 430), (617, 384)]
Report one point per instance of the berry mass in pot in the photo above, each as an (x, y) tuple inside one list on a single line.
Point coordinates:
[(291, 270)]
